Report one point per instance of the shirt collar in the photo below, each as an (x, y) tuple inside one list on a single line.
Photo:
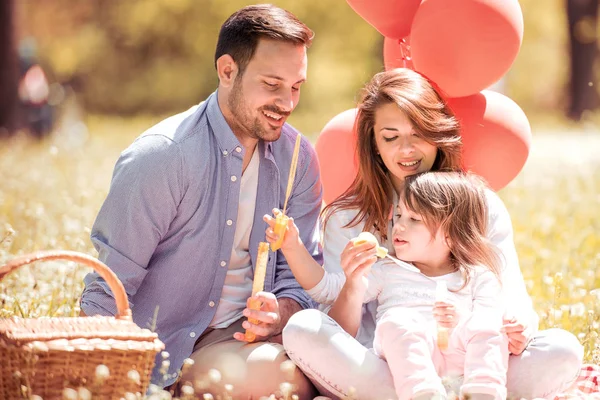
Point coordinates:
[(226, 139)]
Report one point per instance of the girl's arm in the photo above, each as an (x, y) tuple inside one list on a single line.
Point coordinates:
[(306, 270), (486, 356), (356, 261)]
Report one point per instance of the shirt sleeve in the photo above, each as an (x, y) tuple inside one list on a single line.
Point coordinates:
[(145, 191), (328, 288), (304, 206), (488, 296), (500, 233)]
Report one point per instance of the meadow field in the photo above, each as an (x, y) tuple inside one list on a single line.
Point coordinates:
[(51, 190)]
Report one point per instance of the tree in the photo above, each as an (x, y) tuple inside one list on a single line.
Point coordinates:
[(583, 25), (8, 69)]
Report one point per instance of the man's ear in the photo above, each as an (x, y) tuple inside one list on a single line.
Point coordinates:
[(227, 70)]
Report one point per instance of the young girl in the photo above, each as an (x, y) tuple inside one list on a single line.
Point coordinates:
[(440, 229)]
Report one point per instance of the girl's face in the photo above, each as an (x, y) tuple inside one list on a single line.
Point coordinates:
[(403, 152), (414, 243)]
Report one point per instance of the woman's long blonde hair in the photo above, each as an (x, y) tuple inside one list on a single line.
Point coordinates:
[(372, 191), (455, 202)]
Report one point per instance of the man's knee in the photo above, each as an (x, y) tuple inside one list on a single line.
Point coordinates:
[(246, 371)]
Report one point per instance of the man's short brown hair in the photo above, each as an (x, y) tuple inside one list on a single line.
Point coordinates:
[(241, 32)]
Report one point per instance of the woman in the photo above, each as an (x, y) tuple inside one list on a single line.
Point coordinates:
[(404, 128)]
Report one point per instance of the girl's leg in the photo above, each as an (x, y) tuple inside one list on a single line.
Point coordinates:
[(549, 365), (485, 359), (337, 364), (402, 338)]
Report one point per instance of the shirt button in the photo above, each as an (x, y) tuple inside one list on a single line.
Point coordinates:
[(192, 334), (229, 222), (225, 152), (238, 149), (223, 263), (212, 304), (233, 178)]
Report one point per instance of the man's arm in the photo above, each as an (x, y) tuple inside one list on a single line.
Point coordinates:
[(139, 208)]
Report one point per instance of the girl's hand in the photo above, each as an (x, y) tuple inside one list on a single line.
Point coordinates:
[(291, 237), (356, 261), (446, 314), (519, 334)]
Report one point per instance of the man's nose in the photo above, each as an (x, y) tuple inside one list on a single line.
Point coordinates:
[(285, 101)]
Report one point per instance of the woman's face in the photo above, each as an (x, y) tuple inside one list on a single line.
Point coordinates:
[(403, 152)]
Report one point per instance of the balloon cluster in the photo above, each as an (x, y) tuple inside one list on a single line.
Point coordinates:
[(464, 46)]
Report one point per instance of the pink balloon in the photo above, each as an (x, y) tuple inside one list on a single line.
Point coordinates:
[(336, 151), (396, 54), (496, 136), (466, 46), (392, 18)]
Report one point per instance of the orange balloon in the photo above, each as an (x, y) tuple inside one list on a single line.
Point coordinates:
[(496, 136), (392, 18), (396, 54), (466, 46), (336, 151)]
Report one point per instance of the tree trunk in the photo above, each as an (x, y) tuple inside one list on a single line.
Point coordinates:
[(583, 28), (9, 74)]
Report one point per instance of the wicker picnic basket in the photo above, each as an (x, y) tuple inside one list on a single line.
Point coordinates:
[(44, 356)]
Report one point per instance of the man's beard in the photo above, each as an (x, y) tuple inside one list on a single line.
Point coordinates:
[(242, 117)]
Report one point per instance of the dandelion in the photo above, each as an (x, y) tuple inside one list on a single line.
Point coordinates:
[(70, 394), (577, 310), (187, 364), (286, 389), (84, 393), (102, 372), (164, 366), (187, 390), (214, 376), (134, 376)]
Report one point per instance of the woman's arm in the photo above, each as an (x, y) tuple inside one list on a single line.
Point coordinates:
[(500, 232)]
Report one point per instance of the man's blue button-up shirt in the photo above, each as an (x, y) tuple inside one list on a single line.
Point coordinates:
[(166, 227)]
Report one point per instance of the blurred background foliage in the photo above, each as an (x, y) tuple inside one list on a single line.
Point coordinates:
[(156, 56)]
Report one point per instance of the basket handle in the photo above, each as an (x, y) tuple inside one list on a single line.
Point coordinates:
[(123, 310)]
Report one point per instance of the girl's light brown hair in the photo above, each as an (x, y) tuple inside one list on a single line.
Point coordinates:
[(455, 202), (372, 191)]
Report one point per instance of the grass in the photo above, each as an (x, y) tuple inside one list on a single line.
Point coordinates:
[(51, 190)]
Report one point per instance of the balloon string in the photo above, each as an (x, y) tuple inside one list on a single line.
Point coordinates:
[(405, 52)]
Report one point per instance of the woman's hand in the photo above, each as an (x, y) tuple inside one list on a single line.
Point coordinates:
[(446, 314), (356, 261)]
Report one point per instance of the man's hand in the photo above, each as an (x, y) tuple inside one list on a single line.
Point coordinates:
[(272, 316), (519, 334)]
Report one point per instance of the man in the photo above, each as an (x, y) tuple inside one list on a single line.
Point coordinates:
[(183, 218)]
